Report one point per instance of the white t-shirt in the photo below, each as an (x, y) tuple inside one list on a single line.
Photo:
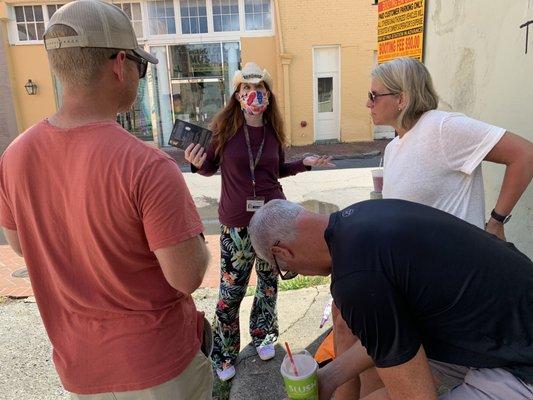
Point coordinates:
[(438, 163)]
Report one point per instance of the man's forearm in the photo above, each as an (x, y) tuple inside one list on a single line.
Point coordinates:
[(346, 367)]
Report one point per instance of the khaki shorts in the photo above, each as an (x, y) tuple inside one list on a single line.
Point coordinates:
[(463, 383), (195, 383)]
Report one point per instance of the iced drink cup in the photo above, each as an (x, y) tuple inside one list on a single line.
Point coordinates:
[(305, 385), (377, 177)]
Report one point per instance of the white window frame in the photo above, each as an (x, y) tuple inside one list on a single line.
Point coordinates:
[(209, 16), (12, 30), (177, 38), (146, 20), (261, 32), (211, 35), (238, 15), (53, 4), (144, 15)]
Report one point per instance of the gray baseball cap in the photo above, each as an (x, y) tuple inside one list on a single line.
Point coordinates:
[(97, 24)]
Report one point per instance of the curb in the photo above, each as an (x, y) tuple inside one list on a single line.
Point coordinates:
[(354, 156)]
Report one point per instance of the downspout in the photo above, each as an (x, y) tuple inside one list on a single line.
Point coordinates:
[(285, 63)]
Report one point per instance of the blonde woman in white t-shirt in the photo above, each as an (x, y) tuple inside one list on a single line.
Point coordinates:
[(436, 160), (436, 157)]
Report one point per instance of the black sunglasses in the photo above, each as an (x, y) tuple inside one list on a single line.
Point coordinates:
[(142, 64), (373, 96), (284, 276)]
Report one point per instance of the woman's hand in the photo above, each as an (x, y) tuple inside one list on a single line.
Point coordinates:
[(196, 155), (318, 161)]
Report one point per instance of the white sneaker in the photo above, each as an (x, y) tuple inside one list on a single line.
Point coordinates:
[(266, 352), (226, 374)]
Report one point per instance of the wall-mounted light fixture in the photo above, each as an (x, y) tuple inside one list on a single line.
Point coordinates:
[(31, 87)]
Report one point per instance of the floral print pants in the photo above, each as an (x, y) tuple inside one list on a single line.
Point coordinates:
[(236, 262)]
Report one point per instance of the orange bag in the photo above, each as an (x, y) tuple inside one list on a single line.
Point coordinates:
[(326, 351)]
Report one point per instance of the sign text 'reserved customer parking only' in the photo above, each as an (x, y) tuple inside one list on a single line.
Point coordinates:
[(400, 29)]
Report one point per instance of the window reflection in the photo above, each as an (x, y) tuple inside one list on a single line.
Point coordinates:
[(325, 94)]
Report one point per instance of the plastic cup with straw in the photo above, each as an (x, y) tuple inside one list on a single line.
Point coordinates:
[(299, 371)]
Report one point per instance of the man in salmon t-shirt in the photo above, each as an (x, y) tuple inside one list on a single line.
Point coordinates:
[(106, 225)]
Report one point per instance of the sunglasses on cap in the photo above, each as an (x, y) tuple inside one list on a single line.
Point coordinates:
[(284, 276), (142, 64)]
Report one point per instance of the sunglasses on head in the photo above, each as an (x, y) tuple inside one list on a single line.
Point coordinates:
[(142, 64), (284, 276)]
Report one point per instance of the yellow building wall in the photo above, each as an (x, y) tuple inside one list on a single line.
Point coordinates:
[(30, 62), (351, 24), (263, 51)]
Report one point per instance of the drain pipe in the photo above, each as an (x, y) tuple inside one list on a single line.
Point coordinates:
[(285, 63)]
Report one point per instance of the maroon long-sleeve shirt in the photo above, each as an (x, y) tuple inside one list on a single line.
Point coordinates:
[(235, 170)]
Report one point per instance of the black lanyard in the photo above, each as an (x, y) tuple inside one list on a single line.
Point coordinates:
[(253, 163)]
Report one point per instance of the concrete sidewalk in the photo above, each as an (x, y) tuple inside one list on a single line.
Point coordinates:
[(300, 312), (28, 373)]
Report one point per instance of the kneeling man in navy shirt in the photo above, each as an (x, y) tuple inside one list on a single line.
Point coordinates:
[(436, 302)]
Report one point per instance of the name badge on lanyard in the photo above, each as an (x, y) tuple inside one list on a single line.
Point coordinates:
[(254, 203)]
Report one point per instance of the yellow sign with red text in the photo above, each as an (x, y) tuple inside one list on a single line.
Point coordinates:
[(400, 29)]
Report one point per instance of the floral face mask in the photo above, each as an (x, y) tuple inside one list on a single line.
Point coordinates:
[(254, 102)]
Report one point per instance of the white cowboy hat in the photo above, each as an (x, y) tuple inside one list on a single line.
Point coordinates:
[(251, 73)]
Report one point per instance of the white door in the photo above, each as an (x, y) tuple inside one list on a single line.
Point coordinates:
[(326, 93)]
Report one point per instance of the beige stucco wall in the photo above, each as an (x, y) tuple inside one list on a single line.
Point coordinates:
[(263, 51), (476, 56), (30, 62), (348, 23)]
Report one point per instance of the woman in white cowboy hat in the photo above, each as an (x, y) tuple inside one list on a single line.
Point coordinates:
[(247, 146)]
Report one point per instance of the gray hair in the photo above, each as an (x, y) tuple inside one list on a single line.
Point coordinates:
[(76, 66), (275, 221), (410, 77)]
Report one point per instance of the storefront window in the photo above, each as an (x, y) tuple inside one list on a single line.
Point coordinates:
[(196, 60), (231, 56), (200, 82), (138, 120), (161, 95)]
